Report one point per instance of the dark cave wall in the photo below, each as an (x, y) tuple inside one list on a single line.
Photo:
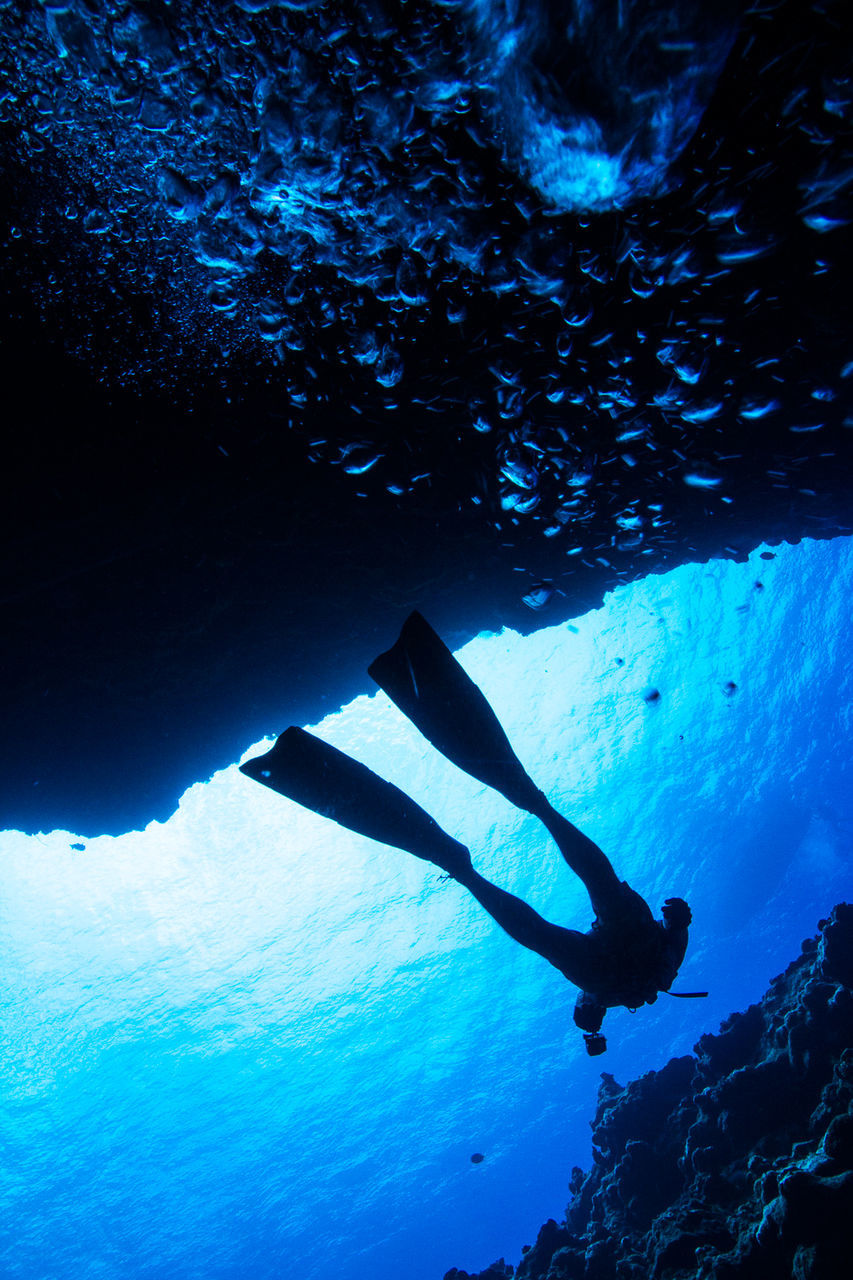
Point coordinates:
[(184, 565), (168, 601)]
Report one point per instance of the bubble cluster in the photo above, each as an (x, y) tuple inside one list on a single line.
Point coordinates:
[(572, 270)]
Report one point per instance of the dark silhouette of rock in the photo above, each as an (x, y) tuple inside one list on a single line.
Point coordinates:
[(240, 451), (499, 1270), (735, 1163)]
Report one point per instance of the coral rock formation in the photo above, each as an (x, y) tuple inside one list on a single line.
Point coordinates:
[(735, 1163)]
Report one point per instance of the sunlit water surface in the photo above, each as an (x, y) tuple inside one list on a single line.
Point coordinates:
[(247, 1043)]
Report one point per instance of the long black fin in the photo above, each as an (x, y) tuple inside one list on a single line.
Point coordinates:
[(332, 784), (422, 677)]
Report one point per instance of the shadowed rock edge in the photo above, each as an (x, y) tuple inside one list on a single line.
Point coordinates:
[(733, 1163)]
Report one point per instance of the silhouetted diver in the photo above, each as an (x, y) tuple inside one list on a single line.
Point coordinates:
[(627, 956)]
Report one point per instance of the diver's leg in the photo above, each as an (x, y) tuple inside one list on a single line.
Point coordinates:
[(582, 854), (566, 949), (318, 776), (427, 683)]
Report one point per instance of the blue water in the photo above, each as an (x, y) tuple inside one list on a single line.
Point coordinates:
[(248, 1043)]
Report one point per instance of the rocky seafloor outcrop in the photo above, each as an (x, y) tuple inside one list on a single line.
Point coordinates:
[(734, 1163)]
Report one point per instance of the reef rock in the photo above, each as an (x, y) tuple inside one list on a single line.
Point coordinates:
[(734, 1163)]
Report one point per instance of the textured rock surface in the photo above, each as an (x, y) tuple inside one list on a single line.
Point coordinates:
[(735, 1163)]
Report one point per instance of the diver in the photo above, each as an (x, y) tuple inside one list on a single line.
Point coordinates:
[(625, 958)]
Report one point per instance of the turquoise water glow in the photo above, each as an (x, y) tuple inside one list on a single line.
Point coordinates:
[(248, 1043)]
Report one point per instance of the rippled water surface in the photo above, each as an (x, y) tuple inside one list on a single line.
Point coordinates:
[(247, 1042)]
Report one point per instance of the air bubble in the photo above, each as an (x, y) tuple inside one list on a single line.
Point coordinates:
[(389, 366), (539, 595), (519, 473), (96, 222), (411, 281), (223, 297), (181, 199), (365, 347)]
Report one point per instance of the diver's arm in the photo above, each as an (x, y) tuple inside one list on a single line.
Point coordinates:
[(677, 917)]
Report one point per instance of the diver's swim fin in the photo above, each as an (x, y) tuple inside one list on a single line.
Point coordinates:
[(421, 675), (330, 783)]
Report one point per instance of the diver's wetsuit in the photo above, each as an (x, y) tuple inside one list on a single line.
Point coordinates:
[(627, 956)]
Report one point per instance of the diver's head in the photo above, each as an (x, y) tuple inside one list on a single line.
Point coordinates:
[(676, 913), (589, 1013)]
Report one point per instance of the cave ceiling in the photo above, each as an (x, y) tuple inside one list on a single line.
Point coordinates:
[(315, 313)]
